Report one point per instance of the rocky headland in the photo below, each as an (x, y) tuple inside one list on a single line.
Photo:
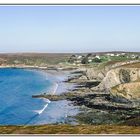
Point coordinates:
[(105, 96)]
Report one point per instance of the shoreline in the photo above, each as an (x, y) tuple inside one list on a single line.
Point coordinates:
[(96, 108), (56, 77), (90, 102), (59, 77), (48, 67), (22, 66)]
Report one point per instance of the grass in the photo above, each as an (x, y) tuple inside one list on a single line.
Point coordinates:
[(34, 58), (134, 65), (70, 129)]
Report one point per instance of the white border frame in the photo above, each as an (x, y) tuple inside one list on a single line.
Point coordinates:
[(70, 3)]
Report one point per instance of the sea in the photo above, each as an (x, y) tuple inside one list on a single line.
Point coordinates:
[(17, 107)]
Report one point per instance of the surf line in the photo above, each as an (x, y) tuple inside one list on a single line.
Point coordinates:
[(38, 112), (45, 106), (41, 111), (55, 88), (48, 101)]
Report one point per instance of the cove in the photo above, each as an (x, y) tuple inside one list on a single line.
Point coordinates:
[(17, 107)]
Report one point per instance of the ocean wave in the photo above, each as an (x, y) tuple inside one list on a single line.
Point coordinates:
[(41, 110)]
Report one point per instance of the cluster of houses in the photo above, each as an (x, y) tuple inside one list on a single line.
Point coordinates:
[(127, 55), (89, 58), (116, 54), (84, 59)]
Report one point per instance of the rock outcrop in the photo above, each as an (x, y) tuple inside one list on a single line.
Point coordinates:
[(118, 76), (92, 73), (128, 90)]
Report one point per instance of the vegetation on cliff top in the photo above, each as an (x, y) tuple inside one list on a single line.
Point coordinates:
[(70, 129)]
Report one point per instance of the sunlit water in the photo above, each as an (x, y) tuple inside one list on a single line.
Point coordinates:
[(17, 107)]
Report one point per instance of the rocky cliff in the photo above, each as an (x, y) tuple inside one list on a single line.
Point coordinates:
[(128, 90), (122, 83), (94, 73)]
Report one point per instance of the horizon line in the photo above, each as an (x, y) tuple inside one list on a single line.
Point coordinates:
[(68, 52)]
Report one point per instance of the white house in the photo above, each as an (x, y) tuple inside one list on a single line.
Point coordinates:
[(79, 57), (122, 53), (90, 60), (117, 54), (110, 54)]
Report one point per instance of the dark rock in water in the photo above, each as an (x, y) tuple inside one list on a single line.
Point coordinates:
[(99, 101), (91, 84), (78, 72), (50, 97), (120, 99), (70, 78), (52, 68), (86, 84)]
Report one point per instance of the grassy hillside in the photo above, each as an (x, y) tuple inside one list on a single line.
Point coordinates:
[(33, 58), (69, 129)]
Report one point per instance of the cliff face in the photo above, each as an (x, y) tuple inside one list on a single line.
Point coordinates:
[(127, 90), (92, 73), (120, 82), (118, 76)]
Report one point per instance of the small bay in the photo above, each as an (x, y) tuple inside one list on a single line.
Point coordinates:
[(17, 107)]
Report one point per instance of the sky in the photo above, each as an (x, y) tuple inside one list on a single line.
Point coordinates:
[(55, 29)]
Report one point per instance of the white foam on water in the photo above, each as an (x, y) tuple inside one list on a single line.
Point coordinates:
[(55, 88), (41, 111), (47, 100), (45, 106)]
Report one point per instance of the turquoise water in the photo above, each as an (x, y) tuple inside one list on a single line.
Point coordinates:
[(17, 107)]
